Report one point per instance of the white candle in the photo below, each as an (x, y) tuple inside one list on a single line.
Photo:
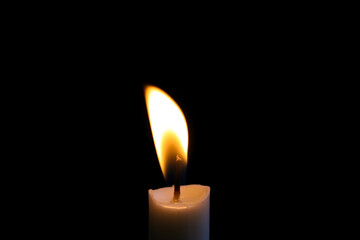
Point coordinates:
[(180, 212), (187, 219)]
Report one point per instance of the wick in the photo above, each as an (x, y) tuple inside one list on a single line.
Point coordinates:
[(177, 179)]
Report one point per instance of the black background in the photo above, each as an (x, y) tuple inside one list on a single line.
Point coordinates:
[(242, 85)]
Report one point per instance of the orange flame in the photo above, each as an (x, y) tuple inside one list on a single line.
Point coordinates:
[(168, 126)]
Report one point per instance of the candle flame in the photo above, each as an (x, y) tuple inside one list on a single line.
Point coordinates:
[(168, 126)]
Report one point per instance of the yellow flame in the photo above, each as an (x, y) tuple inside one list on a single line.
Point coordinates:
[(168, 126)]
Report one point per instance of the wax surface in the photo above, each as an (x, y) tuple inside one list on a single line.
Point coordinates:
[(187, 219)]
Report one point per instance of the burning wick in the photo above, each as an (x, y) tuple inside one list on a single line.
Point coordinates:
[(178, 168)]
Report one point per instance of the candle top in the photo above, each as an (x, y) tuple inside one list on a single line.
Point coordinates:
[(191, 195)]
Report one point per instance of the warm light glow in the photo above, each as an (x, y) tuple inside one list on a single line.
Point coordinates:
[(168, 126)]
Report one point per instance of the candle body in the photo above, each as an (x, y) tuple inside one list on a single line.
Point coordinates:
[(187, 219)]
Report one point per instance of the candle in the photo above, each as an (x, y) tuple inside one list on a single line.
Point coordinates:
[(184, 220), (180, 212)]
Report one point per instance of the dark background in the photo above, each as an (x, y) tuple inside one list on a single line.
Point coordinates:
[(243, 84)]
